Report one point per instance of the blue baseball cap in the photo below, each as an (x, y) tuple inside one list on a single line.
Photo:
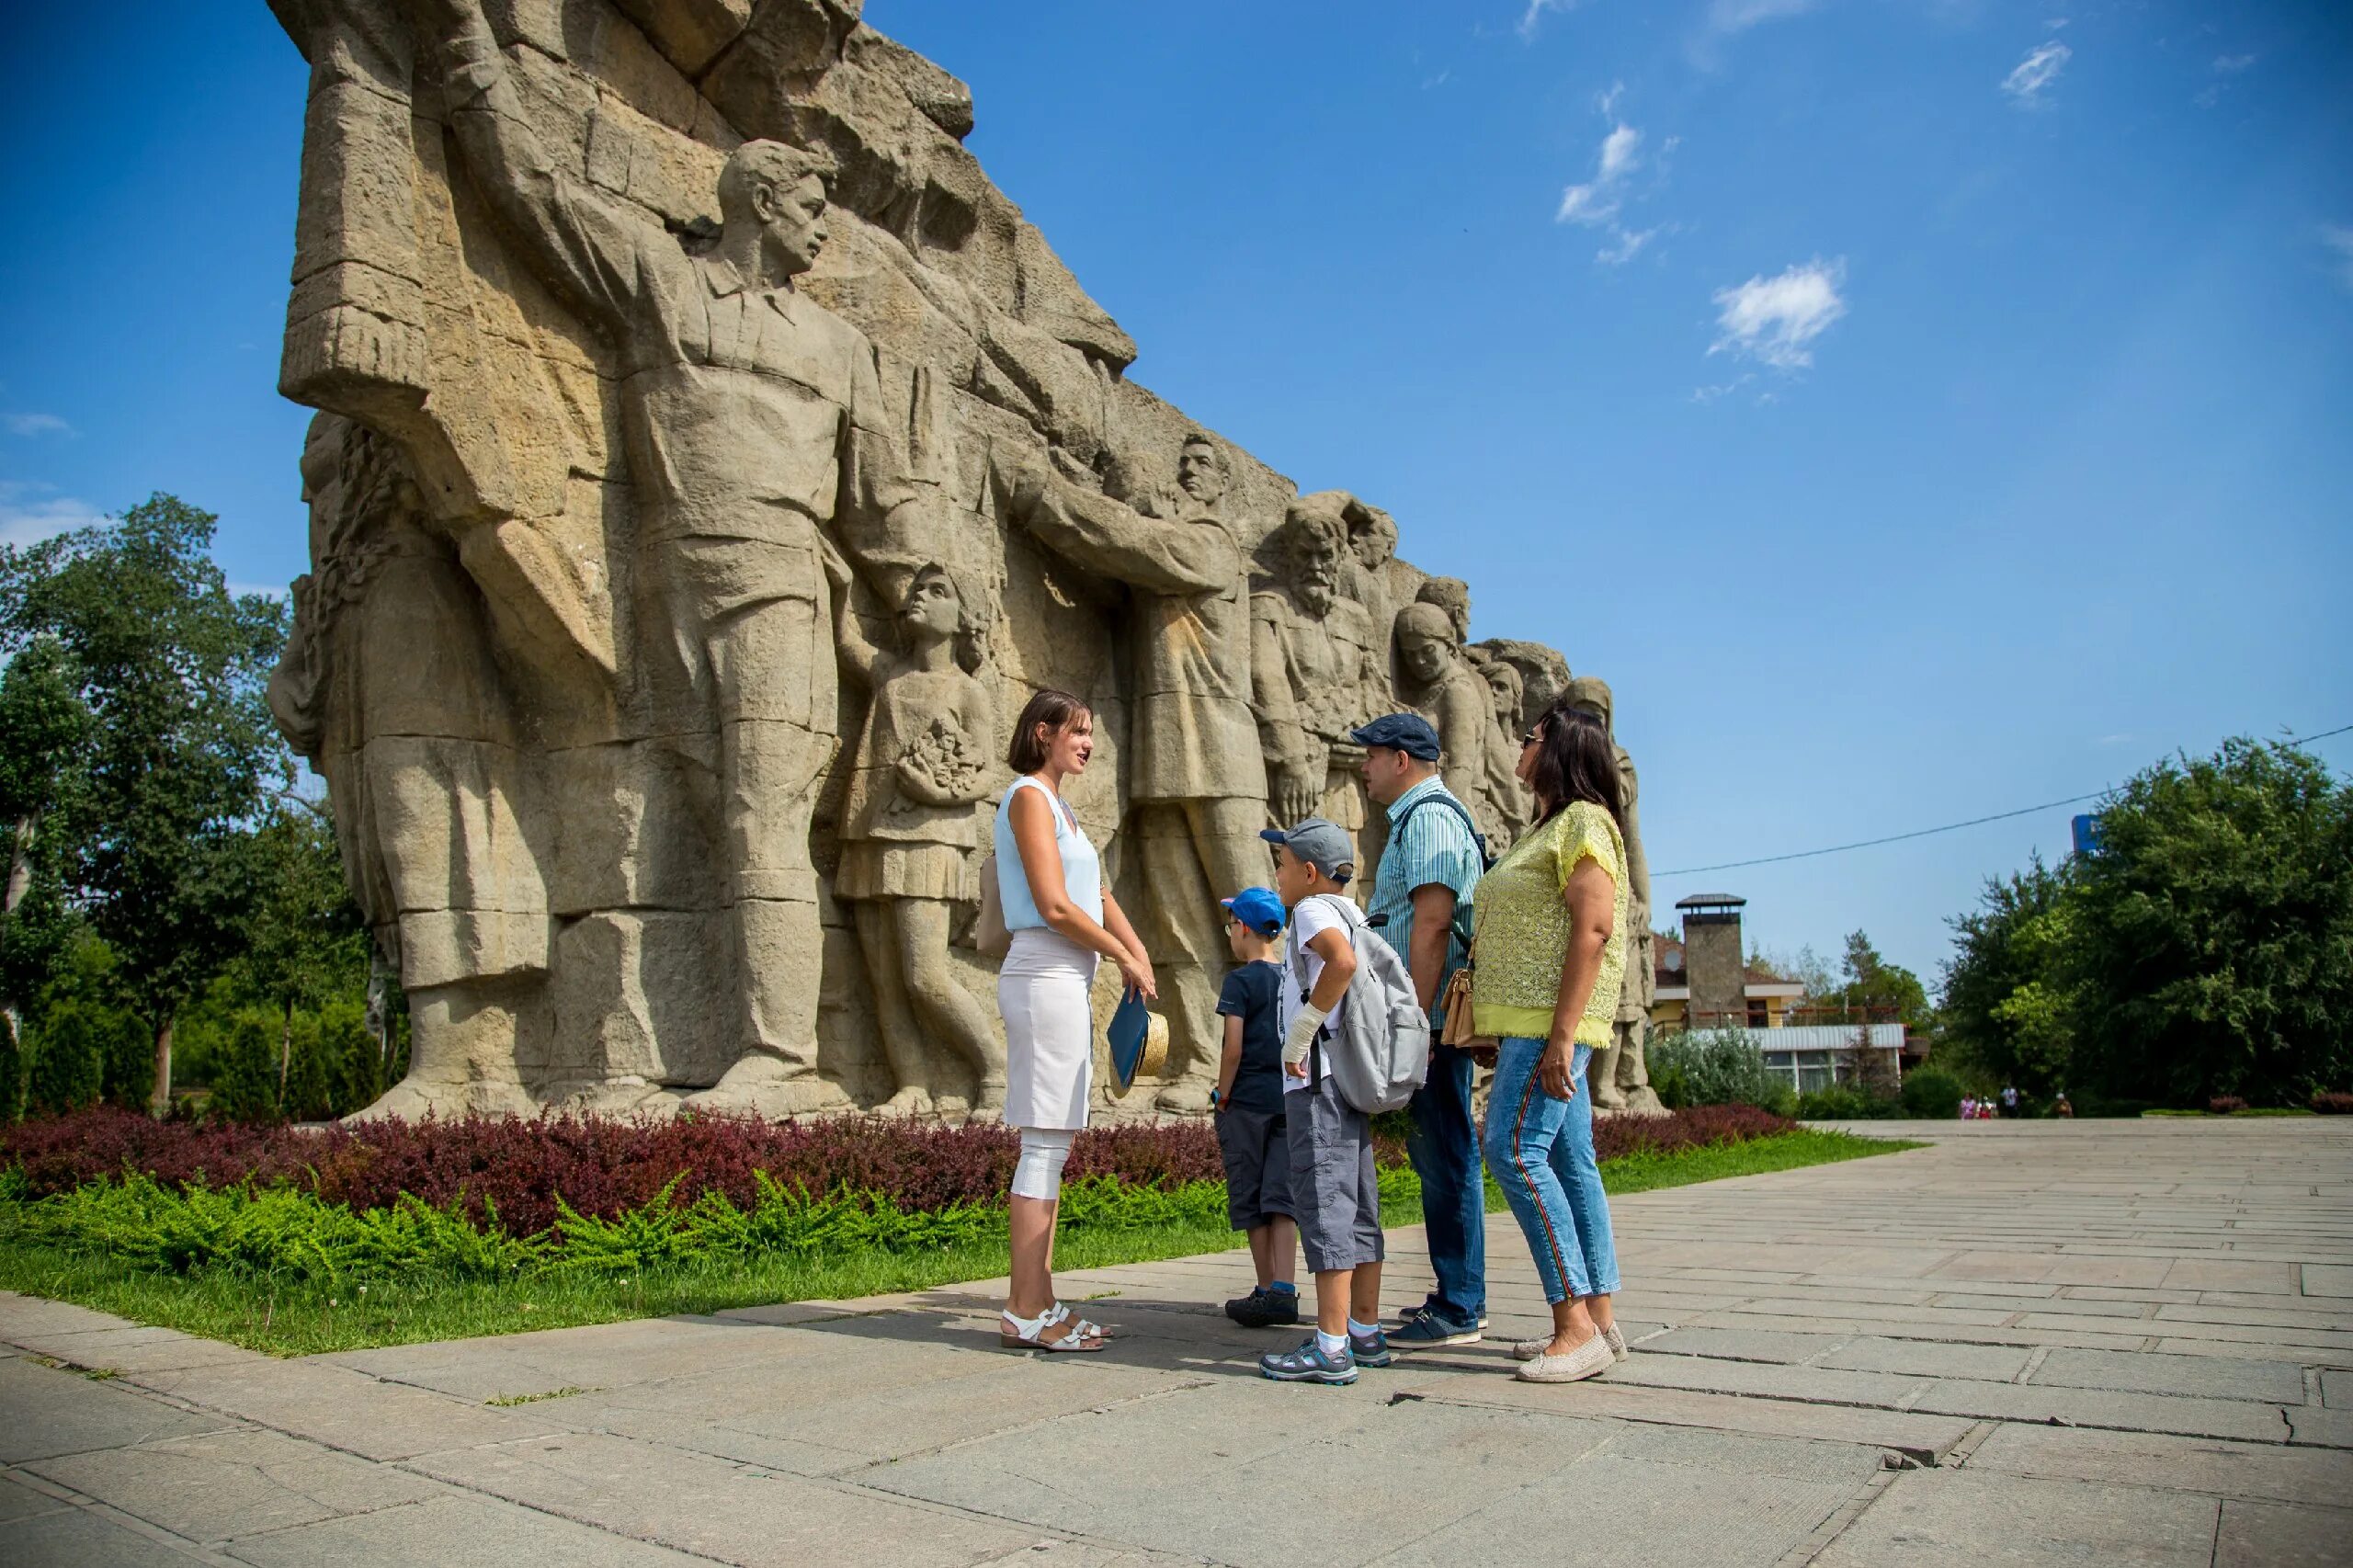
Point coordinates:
[(1257, 908), (1408, 732)]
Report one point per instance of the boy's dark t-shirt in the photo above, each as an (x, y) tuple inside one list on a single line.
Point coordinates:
[(1249, 994)]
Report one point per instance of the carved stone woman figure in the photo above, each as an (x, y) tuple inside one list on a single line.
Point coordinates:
[(922, 762)]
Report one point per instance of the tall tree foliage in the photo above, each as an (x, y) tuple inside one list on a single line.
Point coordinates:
[(2205, 948), (156, 841), (44, 728)]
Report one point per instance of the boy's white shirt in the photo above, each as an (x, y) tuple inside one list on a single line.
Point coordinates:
[(1311, 918)]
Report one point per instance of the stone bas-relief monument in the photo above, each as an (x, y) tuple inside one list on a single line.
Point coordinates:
[(709, 459)]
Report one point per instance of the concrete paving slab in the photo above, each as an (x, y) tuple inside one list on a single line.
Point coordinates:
[(138, 1349), (2210, 1377), (454, 1532), (27, 1316), (1611, 1510), (2221, 1274), (46, 1411), (19, 1501), (717, 1510), (2313, 1427), (1745, 1344), (229, 1483), (78, 1538), (341, 1408), (1929, 1358), (2327, 1280), (2278, 1535), (1872, 1430), (1760, 1380), (2337, 1387), (2187, 1465), (2098, 1407), (1948, 1518)]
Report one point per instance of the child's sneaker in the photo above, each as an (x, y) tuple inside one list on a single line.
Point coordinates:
[(1370, 1349), (1427, 1325), (1265, 1308), (1309, 1364)]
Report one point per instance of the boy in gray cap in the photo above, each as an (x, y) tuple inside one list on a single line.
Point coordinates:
[(1334, 1195)]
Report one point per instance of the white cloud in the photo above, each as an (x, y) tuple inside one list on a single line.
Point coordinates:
[(1739, 16), (1629, 242), (2031, 76), (29, 514), (1775, 320), (1592, 205), (1620, 152), (2338, 238), (35, 424), (1535, 12), (2231, 64)]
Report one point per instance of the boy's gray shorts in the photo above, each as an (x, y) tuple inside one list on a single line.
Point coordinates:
[(1257, 1166), (1333, 1193)]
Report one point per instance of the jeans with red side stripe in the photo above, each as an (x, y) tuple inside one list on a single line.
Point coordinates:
[(1540, 1152)]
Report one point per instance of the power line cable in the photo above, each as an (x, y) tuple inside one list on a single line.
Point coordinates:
[(1948, 827)]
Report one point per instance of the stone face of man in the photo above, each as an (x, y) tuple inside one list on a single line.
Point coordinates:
[(1202, 473), (793, 223), (1503, 691), (1315, 558), (1375, 546)]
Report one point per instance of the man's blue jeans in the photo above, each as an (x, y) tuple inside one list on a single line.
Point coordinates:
[(1444, 1148), (1541, 1152)]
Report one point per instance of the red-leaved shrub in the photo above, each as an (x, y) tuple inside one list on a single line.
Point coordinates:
[(2330, 1102), (2223, 1105), (605, 1166)]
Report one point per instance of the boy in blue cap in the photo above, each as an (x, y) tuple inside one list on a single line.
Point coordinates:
[(1251, 1134)]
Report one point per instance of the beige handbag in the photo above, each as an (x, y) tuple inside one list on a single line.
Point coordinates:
[(989, 934), (1458, 1030)]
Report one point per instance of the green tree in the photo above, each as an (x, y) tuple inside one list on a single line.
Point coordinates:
[(2009, 1002), (1873, 988), (183, 755), (2210, 936), (306, 941), (43, 727)]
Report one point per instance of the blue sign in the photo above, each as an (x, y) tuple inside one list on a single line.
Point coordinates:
[(2087, 834)]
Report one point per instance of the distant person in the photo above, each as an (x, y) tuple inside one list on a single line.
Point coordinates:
[(2009, 1099), (1333, 1192), (1969, 1107), (2063, 1108), (1252, 1138), (1422, 895), (1062, 919), (1550, 962)]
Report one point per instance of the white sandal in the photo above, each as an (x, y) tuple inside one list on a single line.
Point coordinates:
[(1029, 1333)]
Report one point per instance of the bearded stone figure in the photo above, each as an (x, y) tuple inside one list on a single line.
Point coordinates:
[(1314, 669)]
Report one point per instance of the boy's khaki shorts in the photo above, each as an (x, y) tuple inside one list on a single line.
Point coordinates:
[(1334, 1194)]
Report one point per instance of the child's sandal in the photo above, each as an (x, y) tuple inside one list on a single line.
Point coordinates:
[(1029, 1334)]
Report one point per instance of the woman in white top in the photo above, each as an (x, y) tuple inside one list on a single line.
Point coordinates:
[(1062, 920)]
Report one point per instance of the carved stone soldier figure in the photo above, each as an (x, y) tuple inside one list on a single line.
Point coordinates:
[(1197, 781), (389, 686), (1620, 1077), (753, 418), (1316, 672)]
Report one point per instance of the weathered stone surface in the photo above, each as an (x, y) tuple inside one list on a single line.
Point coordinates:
[(53, 1411), (674, 357), (1935, 1518)]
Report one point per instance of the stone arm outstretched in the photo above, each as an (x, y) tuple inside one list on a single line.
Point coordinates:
[(1117, 543), (1638, 863), (595, 251)]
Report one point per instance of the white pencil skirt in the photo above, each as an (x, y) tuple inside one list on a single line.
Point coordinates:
[(1049, 1030)]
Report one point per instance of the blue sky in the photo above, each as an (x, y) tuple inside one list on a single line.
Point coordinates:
[(1915, 409)]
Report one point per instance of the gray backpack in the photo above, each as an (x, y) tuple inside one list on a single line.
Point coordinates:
[(1382, 1052)]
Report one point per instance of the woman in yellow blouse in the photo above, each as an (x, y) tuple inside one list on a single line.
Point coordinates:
[(1551, 960)]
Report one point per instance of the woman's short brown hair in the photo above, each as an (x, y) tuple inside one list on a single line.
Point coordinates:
[(1056, 710)]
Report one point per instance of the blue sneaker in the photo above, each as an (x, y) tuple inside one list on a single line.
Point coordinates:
[(1427, 1326), (1370, 1349), (1309, 1364)]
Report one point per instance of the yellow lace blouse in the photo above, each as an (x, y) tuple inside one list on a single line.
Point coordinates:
[(1523, 929)]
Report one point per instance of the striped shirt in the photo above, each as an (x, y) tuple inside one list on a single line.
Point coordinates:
[(1434, 848)]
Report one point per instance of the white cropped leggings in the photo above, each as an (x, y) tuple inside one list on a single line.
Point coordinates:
[(1038, 1172)]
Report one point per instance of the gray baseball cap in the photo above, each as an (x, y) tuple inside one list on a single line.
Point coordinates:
[(1322, 844)]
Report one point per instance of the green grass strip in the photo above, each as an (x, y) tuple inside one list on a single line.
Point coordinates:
[(276, 1287)]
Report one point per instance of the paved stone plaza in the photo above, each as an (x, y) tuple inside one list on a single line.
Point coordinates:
[(2030, 1342)]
